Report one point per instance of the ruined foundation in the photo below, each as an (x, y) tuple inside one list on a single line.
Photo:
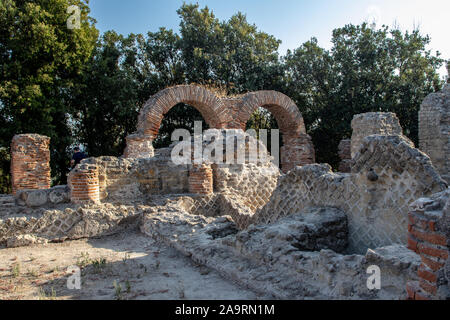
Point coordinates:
[(303, 232)]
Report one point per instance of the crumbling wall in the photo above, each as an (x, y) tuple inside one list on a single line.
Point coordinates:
[(366, 124), (388, 175), (43, 198), (84, 183), (139, 146), (434, 130), (121, 179), (66, 222), (30, 162), (277, 259), (429, 236), (253, 183)]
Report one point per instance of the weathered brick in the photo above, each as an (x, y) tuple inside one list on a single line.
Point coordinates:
[(30, 162)]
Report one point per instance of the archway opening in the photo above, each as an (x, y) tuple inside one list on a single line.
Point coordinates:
[(263, 119), (181, 116)]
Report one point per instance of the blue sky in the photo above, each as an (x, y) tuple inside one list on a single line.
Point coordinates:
[(292, 21)]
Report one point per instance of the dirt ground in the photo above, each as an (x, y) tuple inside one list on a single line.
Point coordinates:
[(124, 266)]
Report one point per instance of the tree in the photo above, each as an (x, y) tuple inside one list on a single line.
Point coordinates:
[(105, 102), (233, 53), (366, 70), (40, 58)]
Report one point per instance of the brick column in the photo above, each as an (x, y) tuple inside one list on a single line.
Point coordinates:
[(30, 162), (344, 152), (429, 237), (296, 151), (139, 146), (84, 184), (201, 179)]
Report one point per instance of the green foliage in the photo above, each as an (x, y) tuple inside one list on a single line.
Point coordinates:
[(105, 103), (366, 70), (232, 53), (40, 58), (77, 87), (5, 178)]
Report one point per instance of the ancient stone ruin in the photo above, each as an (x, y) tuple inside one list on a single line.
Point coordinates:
[(300, 232)]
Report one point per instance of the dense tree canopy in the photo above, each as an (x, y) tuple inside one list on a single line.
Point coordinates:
[(365, 70), (81, 88), (39, 59)]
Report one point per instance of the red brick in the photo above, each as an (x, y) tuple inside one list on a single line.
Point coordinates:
[(432, 264), (412, 244), (434, 238), (428, 287), (434, 252), (426, 274), (30, 167)]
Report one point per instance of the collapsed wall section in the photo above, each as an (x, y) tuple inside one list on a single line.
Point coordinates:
[(366, 124), (134, 179), (388, 175)]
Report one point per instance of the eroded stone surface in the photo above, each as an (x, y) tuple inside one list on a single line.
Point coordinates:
[(434, 130), (274, 266)]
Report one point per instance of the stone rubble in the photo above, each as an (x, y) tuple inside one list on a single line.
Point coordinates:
[(302, 232)]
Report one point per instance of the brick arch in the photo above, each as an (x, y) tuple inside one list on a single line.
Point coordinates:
[(282, 107), (298, 148), (205, 101)]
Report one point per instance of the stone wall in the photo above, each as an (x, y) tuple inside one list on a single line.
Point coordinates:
[(121, 179), (434, 130), (30, 162), (139, 146), (294, 258), (388, 174), (366, 124), (44, 197), (21, 228), (429, 236)]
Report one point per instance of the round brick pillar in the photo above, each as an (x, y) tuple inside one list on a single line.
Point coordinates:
[(84, 184), (201, 179)]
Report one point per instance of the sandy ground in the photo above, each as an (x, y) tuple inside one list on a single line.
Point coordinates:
[(125, 266)]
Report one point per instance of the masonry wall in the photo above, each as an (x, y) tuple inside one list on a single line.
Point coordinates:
[(121, 179), (201, 179), (434, 130), (366, 124), (225, 113), (30, 162), (376, 201), (84, 184)]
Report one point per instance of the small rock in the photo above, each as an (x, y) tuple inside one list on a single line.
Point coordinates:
[(36, 198)]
